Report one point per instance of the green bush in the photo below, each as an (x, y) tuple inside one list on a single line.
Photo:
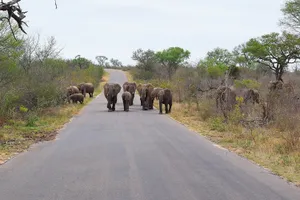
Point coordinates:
[(247, 83)]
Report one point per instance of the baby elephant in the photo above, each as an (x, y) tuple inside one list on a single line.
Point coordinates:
[(126, 96), (76, 97), (165, 97)]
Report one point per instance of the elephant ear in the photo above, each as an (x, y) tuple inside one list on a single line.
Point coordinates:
[(117, 88), (134, 84)]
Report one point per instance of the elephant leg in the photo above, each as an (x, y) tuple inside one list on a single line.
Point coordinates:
[(127, 105), (160, 107), (170, 107), (114, 104), (132, 99), (166, 108), (141, 101), (124, 105)]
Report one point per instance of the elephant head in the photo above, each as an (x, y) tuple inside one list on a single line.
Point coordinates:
[(145, 96)]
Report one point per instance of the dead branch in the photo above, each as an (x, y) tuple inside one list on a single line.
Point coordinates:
[(14, 11)]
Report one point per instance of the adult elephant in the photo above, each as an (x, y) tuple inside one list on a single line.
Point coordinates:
[(86, 88), (146, 96), (130, 87), (111, 91), (139, 89), (154, 94), (72, 90)]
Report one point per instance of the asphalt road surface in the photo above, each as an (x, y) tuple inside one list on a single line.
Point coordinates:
[(135, 155)]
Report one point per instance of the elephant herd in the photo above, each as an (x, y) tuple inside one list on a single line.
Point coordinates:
[(147, 96), (78, 93)]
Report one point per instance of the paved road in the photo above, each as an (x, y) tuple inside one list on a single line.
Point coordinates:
[(139, 155)]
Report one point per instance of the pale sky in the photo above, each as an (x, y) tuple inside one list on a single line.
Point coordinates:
[(115, 28)]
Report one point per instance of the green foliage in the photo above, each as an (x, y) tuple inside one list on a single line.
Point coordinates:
[(81, 62), (247, 83), (217, 124), (116, 62), (216, 71), (172, 58), (31, 120), (291, 15), (23, 109), (101, 60), (146, 60), (220, 56), (274, 50)]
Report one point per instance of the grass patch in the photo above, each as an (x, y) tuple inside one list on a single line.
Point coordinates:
[(42, 125)]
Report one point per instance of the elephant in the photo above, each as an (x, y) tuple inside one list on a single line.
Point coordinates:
[(139, 89), (154, 94), (77, 97), (126, 97), (165, 97), (226, 98), (251, 95), (130, 87), (86, 88), (145, 96), (72, 90), (111, 91)]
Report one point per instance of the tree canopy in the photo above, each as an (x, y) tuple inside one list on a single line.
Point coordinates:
[(146, 59), (274, 50), (291, 15), (172, 58)]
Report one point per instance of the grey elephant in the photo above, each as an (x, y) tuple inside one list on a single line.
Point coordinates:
[(111, 91), (154, 94), (251, 95), (77, 97), (86, 88), (165, 97), (145, 96), (139, 89), (130, 87), (72, 90), (126, 97)]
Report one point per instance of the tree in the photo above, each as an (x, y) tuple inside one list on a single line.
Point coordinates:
[(220, 56), (172, 58), (146, 59), (116, 63), (82, 62), (291, 15), (274, 51), (10, 52), (101, 60)]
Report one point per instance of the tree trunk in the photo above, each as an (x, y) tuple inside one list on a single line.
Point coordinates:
[(279, 73)]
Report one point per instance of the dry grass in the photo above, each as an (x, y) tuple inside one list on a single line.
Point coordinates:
[(19, 136)]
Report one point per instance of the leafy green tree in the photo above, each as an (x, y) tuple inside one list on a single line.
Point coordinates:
[(83, 63), (291, 15), (10, 52), (172, 58), (220, 56), (275, 51), (146, 59), (101, 60), (116, 63)]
